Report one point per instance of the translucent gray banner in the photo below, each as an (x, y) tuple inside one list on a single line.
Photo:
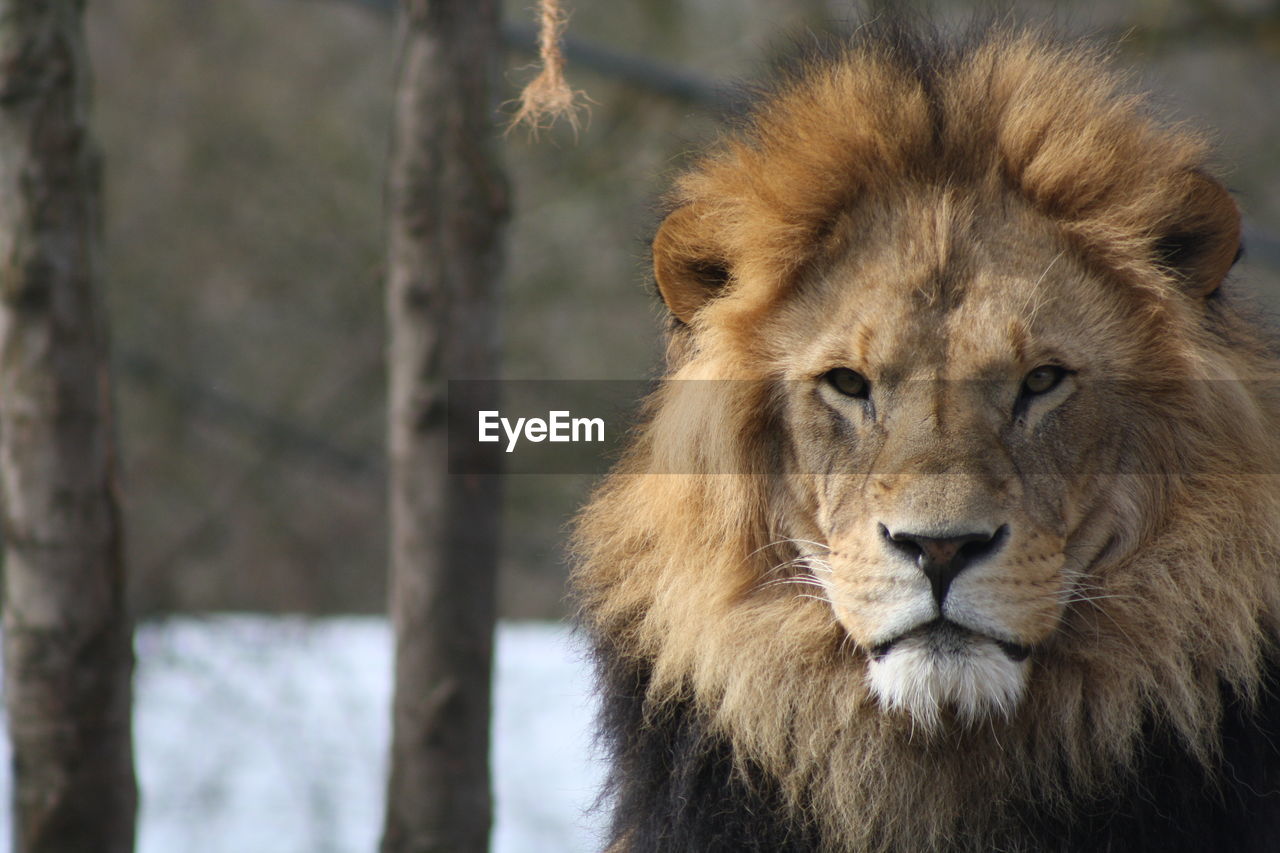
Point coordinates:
[(1095, 426)]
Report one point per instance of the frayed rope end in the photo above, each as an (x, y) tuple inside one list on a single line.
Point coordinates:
[(548, 96)]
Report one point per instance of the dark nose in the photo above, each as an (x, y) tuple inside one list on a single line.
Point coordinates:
[(943, 558)]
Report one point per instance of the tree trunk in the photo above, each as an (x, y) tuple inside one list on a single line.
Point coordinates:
[(448, 204), (68, 655)]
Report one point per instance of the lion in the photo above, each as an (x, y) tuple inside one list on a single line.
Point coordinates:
[(953, 523)]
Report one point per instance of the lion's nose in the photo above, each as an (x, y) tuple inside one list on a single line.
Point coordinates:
[(942, 558)]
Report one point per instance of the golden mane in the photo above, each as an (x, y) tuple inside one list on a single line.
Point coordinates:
[(670, 566), (1050, 122)]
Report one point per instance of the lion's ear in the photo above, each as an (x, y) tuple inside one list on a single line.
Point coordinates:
[(688, 267), (1203, 241)]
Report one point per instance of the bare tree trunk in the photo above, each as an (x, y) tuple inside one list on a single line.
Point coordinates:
[(448, 204), (68, 655)]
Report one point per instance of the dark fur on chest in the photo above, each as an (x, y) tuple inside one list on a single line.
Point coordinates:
[(674, 788)]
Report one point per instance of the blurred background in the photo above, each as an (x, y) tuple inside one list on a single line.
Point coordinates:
[(245, 143)]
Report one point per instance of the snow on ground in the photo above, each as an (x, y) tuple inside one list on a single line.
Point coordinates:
[(269, 735)]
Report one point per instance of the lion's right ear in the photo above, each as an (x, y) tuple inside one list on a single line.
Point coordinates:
[(688, 267), (1202, 242)]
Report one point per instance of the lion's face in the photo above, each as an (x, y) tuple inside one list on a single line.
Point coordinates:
[(947, 399)]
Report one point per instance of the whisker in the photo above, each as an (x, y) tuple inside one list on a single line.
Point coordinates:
[(1082, 599), (788, 541), (1128, 637), (799, 579), (786, 564), (810, 542)]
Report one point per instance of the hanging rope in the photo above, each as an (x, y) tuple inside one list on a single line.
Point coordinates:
[(548, 96)]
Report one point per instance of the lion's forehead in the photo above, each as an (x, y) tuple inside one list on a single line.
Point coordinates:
[(976, 319)]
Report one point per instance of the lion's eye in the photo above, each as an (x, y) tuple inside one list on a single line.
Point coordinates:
[(1043, 379), (848, 382)]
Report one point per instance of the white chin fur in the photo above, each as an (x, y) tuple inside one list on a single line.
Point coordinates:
[(922, 676)]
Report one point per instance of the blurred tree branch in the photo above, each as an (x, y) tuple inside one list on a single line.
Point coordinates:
[(632, 69), (280, 435)]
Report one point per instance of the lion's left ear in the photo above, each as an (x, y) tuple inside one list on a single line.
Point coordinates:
[(1202, 240)]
